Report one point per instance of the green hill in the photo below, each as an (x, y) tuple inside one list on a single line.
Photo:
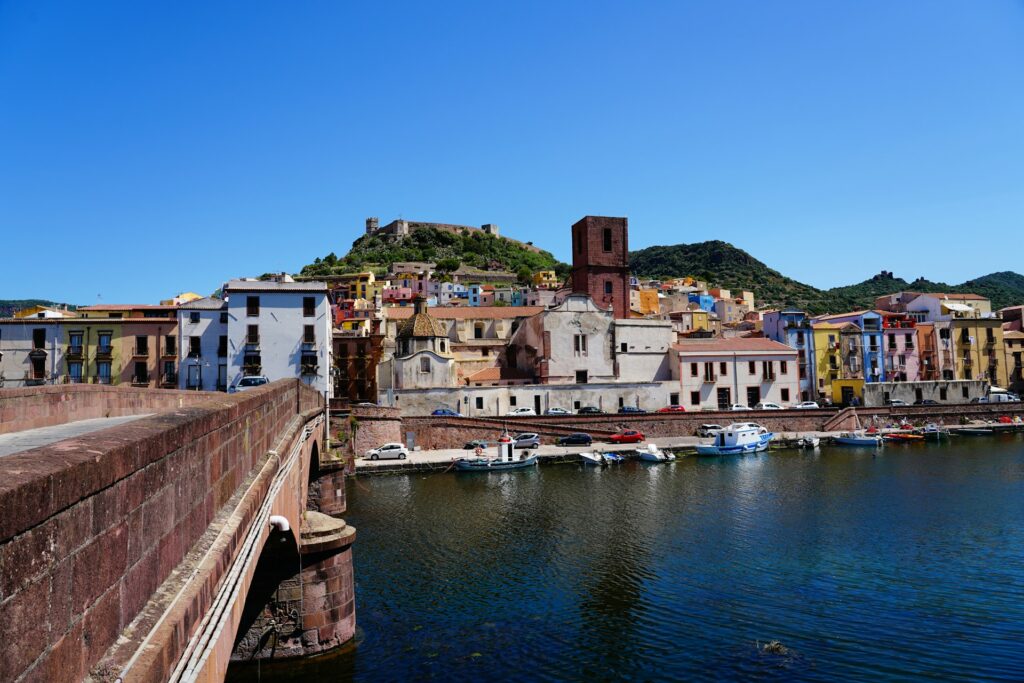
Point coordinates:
[(470, 247), (722, 264), (9, 306)]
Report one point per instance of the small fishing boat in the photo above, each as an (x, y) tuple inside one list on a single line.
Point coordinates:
[(595, 459), (808, 442), (903, 437), (654, 454), (934, 432), (613, 458), (737, 439), (857, 439), (507, 459), (975, 431)]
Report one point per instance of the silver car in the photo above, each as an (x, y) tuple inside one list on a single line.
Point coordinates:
[(389, 451), (527, 440), (249, 382)]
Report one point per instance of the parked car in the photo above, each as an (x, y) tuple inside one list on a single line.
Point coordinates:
[(895, 402), (577, 439), (738, 406), (527, 440), (472, 445), (556, 411), (631, 410), (589, 410), (250, 382), (767, 405), (672, 409), (389, 451), (709, 430), (1003, 397), (807, 405), (522, 412), (627, 436), (926, 402), (446, 412)]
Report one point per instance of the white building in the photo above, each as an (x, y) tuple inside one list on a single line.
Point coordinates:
[(280, 330), (203, 345), (713, 374), (422, 357), (31, 352)]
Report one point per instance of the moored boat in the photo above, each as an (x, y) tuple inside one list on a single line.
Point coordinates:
[(808, 442), (860, 438), (654, 454), (612, 458), (975, 431), (737, 439), (507, 459), (934, 432), (903, 437), (590, 458)]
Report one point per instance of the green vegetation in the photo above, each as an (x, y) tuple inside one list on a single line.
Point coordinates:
[(9, 306), (471, 247), (722, 264)]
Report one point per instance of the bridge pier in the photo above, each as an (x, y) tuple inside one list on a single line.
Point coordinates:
[(302, 598)]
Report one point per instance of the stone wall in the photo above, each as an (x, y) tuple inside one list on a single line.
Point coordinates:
[(92, 526), (365, 427), (33, 407)]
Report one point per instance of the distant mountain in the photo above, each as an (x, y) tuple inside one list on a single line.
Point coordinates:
[(9, 306), (723, 264), (470, 247)]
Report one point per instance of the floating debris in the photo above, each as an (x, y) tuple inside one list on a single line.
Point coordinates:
[(774, 647)]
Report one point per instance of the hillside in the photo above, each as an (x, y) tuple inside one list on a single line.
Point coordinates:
[(377, 252), (723, 264), (9, 306)]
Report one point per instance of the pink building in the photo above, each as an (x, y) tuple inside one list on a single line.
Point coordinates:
[(902, 355), (398, 295)]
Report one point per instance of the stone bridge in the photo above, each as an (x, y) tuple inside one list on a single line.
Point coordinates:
[(202, 531)]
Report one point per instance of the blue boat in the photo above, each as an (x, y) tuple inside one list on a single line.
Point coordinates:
[(737, 439), (613, 458)]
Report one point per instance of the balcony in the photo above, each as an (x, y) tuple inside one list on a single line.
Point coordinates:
[(75, 379), (140, 380), (35, 381), (75, 350), (104, 350), (309, 368), (101, 379), (251, 345), (169, 379), (169, 353), (709, 378), (768, 377), (141, 352)]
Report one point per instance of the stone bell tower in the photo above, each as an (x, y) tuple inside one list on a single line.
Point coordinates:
[(600, 261)]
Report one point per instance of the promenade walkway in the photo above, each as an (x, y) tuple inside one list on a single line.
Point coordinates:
[(16, 442)]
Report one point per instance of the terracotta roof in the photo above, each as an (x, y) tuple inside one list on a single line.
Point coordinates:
[(749, 344), (466, 312), (953, 295), (495, 374), (833, 316), (127, 307), (422, 325)]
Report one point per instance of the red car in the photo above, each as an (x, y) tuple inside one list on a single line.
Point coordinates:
[(627, 436), (672, 409)]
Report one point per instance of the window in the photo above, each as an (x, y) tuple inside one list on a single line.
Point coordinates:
[(580, 344), (694, 398), (309, 334), (693, 369), (480, 402), (581, 377), (607, 239), (424, 364), (142, 345), (752, 367), (103, 372), (511, 400), (673, 399), (39, 338), (223, 318), (918, 394), (222, 346), (141, 373), (478, 331), (308, 307), (942, 394), (784, 393), (75, 343), (964, 391), (623, 347), (170, 345), (783, 368), (75, 372), (753, 396), (252, 305), (253, 336), (799, 338), (193, 347), (724, 399), (607, 286), (103, 342), (193, 317), (723, 369)]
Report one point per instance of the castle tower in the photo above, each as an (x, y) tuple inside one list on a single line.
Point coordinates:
[(600, 261), (372, 224)]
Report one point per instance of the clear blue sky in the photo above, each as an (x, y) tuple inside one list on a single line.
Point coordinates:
[(152, 147)]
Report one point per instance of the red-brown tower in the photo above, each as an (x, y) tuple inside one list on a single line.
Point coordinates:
[(600, 261)]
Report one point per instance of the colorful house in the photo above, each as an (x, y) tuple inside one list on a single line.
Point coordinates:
[(792, 328), (871, 343)]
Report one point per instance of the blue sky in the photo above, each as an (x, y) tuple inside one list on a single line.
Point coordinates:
[(155, 147)]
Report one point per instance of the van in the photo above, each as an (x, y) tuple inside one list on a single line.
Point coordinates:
[(1003, 397)]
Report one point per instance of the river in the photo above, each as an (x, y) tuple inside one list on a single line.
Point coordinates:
[(905, 565)]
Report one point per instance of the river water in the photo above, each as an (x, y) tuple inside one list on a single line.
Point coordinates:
[(905, 565)]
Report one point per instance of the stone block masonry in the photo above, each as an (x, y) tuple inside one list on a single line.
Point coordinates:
[(92, 526)]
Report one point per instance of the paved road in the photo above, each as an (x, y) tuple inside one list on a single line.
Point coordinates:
[(16, 442)]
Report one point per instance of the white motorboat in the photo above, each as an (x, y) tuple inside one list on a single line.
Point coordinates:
[(808, 442), (860, 438), (590, 458), (737, 439), (654, 454)]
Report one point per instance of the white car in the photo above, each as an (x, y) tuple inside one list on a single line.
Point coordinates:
[(520, 412), (738, 406), (767, 405), (807, 405), (249, 382), (389, 451)]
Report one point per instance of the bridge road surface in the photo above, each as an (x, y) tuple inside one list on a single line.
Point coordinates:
[(16, 442)]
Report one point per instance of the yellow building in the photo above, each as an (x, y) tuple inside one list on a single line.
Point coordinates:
[(1014, 341), (183, 298), (838, 371), (42, 312), (979, 349), (545, 279), (644, 302)]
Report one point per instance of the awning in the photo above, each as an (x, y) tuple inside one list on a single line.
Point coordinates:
[(960, 308)]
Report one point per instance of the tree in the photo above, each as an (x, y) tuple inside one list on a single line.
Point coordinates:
[(525, 275), (447, 265)]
